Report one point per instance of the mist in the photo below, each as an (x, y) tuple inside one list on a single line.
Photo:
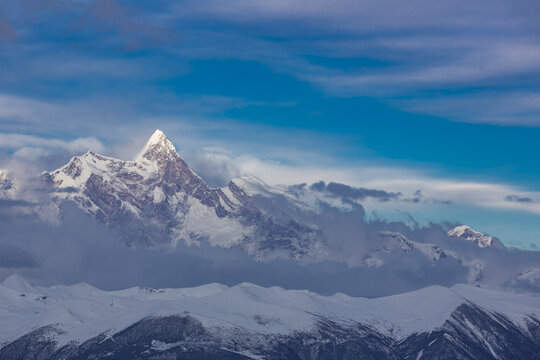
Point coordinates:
[(81, 250)]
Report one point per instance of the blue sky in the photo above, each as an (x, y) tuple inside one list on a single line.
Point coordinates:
[(422, 95)]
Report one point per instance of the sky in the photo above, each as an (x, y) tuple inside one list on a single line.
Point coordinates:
[(439, 101)]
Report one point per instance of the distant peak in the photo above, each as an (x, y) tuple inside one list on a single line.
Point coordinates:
[(465, 232), (460, 230), (18, 283), (157, 146)]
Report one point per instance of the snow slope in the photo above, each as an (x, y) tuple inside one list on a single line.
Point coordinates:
[(81, 311)]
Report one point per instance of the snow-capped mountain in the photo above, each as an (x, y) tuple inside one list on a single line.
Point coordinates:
[(464, 232), (247, 321), (158, 200)]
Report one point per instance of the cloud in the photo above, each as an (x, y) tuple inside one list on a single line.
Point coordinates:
[(214, 165), (10, 203), (506, 59), (488, 107), (347, 192), (13, 257), (32, 147), (520, 199), (67, 255), (122, 26), (357, 15), (416, 186), (460, 192), (25, 193), (399, 53), (417, 48)]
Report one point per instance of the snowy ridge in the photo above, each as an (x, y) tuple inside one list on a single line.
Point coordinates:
[(81, 311)]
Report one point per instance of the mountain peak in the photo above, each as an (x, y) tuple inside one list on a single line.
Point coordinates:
[(157, 136), (465, 232), (156, 147), (18, 283)]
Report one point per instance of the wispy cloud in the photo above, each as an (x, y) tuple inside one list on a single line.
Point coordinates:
[(416, 186), (412, 49), (489, 107), (520, 199), (24, 145)]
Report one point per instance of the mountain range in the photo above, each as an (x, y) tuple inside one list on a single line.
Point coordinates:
[(157, 201), (457, 293), (247, 321)]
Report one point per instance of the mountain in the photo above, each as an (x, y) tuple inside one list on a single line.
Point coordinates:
[(464, 232), (157, 200), (247, 321)]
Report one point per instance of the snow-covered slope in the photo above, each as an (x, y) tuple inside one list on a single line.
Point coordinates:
[(157, 200), (464, 232), (253, 320)]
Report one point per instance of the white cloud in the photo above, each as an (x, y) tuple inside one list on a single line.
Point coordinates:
[(26, 110), (358, 15), (506, 108), (32, 147), (407, 181)]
